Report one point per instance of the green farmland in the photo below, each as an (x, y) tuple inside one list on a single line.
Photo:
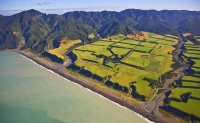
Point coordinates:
[(121, 63), (186, 97)]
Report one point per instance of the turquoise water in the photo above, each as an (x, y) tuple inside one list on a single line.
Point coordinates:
[(32, 94)]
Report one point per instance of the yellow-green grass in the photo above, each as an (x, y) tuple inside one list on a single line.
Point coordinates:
[(196, 68), (89, 47), (123, 45), (191, 55), (151, 34), (140, 55), (171, 36), (97, 49), (65, 44), (186, 34), (177, 92), (104, 52), (120, 73), (193, 51), (111, 64), (95, 68), (143, 49), (127, 74), (191, 78), (162, 49), (115, 38), (149, 39), (163, 41), (170, 39), (157, 36), (153, 76), (104, 43), (197, 62), (136, 61), (130, 41), (120, 51), (160, 58), (142, 86), (188, 42), (192, 48), (100, 70), (88, 56), (137, 58), (191, 107), (147, 44), (91, 36), (166, 64), (191, 84)]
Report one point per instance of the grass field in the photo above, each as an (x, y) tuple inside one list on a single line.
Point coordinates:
[(119, 51), (186, 34), (143, 49), (130, 41), (145, 60), (138, 58), (103, 43), (123, 45), (65, 44), (88, 56), (90, 47), (91, 36), (115, 38), (147, 44), (190, 107), (171, 36), (190, 83), (142, 86), (127, 74)]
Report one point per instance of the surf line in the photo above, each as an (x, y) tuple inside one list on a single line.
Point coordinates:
[(139, 115)]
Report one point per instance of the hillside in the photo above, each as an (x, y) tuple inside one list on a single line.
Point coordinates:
[(114, 28), (42, 31)]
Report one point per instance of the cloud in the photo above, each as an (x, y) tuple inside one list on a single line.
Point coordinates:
[(39, 4), (43, 3), (46, 3)]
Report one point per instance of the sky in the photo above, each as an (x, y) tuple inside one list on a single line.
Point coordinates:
[(10, 7)]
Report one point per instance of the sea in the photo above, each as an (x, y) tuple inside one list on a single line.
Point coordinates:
[(30, 93)]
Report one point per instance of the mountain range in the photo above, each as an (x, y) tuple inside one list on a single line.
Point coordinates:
[(40, 30)]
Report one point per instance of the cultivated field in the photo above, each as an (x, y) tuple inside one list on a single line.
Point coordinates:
[(64, 46), (127, 65), (186, 97)]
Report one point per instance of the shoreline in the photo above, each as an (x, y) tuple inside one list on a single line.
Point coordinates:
[(134, 108)]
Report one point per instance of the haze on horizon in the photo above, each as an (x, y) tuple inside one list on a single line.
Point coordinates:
[(9, 7)]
